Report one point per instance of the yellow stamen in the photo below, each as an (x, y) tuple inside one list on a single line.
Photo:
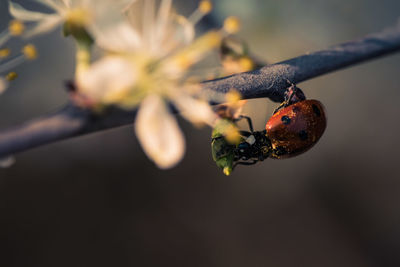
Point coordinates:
[(197, 50), (246, 64), (232, 25), (205, 6), (227, 171), (232, 134), (211, 76), (11, 76), (82, 61), (78, 17), (184, 62), (30, 52), (16, 27), (5, 52), (233, 97)]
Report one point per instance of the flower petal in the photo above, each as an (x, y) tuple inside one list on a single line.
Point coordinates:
[(108, 81), (194, 110), (163, 17), (67, 3), (159, 133), (193, 53), (176, 33), (23, 14), (49, 23), (119, 37), (184, 30)]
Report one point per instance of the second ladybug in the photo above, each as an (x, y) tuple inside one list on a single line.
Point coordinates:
[(296, 128)]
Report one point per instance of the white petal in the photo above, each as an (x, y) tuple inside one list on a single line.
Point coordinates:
[(163, 18), (178, 33), (118, 37), (148, 22), (23, 14), (3, 85), (89, 3), (110, 28), (67, 3), (7, 162), (159, 133), (126, 5), (107, 77), (46, 25), (196, 111), (186, 33)]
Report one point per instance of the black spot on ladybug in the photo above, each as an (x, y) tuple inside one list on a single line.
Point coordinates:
[(280, 151), (316, 110), (303, 135), (286, 120), (296, 109)]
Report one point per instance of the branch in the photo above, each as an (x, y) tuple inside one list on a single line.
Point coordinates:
[(270, 81)]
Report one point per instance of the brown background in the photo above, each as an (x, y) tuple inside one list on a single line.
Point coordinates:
[(98, 201)]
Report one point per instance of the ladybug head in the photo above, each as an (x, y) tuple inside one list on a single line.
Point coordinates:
[(294, 94)]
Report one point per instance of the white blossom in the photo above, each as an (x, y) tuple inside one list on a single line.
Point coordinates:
[(81, 13), (147, 64)]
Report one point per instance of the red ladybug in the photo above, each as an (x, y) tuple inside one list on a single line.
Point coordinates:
[(296, 128)]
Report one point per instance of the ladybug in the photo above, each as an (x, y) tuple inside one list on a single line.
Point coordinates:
[(296, 128)]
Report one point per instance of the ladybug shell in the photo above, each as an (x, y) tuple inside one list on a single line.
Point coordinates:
[(296, 128)]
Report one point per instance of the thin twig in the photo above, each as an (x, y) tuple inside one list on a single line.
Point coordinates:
[(270, 81)]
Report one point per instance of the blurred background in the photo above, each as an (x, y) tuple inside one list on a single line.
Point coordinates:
[(98, 201)]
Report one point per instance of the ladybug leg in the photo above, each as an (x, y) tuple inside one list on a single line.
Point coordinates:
[(249, 122), (288, 96), (282, 105), (244, 163), (245, 133)]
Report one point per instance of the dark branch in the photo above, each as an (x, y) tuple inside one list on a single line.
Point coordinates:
[(270, 81)]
